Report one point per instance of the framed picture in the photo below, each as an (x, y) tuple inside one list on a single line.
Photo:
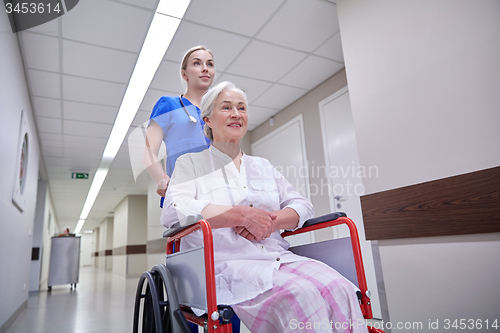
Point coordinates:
[(19, 197)]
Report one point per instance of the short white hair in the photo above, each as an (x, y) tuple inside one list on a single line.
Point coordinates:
[(208, 102)]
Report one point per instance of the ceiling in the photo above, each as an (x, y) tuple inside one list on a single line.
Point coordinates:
[(78, 67)]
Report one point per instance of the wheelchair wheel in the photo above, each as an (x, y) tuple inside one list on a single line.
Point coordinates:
[(154, 317)]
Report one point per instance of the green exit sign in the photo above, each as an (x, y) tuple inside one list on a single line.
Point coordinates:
[(80, 175)]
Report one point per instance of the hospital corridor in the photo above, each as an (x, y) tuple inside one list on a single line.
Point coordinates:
[(249, 166)]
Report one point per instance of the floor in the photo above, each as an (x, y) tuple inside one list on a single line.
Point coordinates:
[(101, 302)]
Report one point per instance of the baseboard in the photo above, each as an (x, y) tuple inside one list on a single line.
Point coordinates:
[(12, 319)]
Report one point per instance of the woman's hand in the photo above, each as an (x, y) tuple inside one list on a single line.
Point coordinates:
[(162, 186), (259, 223), (245, 233)]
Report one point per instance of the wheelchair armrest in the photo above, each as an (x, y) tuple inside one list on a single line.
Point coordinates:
[(182, 224), (324, 218)]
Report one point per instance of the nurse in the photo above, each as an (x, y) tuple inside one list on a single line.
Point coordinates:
[(176, 120)]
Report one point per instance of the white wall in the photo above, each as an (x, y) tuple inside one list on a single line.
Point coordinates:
[(155, 228), (86, 250), (308, 106), (120, 236), (137, 219), (36, 265), (105, 243), (15, 238), (45, 226), (137, 233), (103, 234), (95, 247), (424, 79), (109, 242), (130, 228), (50, 229)]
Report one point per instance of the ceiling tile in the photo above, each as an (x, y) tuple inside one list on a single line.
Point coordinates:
[(51, 143), (52, 151), (253, 88), (151, 97), (190, 34), (49, 125), (80, 163), (279, 97), (50, 28), (82, 128), (257, 115), (149, 4), (113, 25), (97, 62), (93, 91), (242, 17), (71, 140), (57, 169), (47, 107), (265, 61), (332, 49), (87, 153), (302, 25), (311, 72), (168, 77), (89, 112), (140, 118), (53, 174), (49, 161), (50, 137), (45, 84), (42, 52)]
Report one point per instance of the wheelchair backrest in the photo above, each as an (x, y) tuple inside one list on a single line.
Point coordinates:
[(336, 253)]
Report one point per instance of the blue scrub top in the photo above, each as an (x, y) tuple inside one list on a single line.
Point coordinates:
[(180, 135)]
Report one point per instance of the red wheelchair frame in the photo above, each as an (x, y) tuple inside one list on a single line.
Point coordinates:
[(211, 321)]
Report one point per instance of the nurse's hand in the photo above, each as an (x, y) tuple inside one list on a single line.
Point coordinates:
[(162, 186)]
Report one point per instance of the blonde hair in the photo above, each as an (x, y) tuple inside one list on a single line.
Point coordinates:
[(208, 102), (185, 60)]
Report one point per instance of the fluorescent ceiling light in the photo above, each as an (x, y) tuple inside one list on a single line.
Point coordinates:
[(79, 226), (99, 177), (161, 31), (160, 35), (175, 8)]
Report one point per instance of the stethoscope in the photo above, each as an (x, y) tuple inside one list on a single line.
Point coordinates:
[(191, 118)]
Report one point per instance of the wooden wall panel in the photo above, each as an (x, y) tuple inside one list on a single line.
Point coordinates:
[(157, 246), (463, 204), (129, 249)]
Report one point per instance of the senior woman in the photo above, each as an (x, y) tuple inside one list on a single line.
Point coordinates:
[(247, 201)]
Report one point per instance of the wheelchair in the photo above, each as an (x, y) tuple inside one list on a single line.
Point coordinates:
[(166, 295)]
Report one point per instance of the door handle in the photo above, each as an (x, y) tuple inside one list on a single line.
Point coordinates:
[(339, 198)]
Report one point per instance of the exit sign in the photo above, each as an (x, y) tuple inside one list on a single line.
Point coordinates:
[(80, 175)]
